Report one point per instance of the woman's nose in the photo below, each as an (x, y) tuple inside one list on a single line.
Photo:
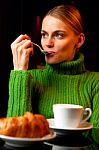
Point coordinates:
[(49, 43)]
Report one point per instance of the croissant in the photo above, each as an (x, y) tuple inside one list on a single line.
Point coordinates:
[(27, 126)]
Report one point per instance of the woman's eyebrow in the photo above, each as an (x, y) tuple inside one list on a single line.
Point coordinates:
[(59, 31), (43, 31)]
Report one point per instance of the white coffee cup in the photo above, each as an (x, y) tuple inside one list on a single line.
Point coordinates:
[(70, 115)]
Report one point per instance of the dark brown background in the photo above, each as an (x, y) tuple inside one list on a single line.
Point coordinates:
[(19, 17)]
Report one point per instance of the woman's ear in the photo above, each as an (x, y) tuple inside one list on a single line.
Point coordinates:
[(81, 40)]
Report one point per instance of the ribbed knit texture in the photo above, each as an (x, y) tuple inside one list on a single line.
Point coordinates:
[(38, 89)]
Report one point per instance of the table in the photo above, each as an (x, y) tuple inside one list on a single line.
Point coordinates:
[(88, 140)]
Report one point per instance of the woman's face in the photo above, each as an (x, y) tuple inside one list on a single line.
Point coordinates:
[(58, 39)]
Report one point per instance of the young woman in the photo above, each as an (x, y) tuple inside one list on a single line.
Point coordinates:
[(64, 78)]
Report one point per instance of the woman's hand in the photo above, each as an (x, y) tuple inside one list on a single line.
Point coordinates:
[(22, 49)]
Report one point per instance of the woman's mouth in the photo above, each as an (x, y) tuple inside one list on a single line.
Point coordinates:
[(50, 54)]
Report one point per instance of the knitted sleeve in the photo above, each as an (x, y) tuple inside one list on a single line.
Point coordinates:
[(95, 101), (19, 93)]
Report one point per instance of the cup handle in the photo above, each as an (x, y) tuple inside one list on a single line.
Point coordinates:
[(87, 111)]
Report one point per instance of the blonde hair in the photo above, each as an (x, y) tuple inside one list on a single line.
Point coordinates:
[(69, 15)]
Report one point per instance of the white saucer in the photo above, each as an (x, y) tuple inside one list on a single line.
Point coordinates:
[(23, 142), (82, 128), (59, 147)]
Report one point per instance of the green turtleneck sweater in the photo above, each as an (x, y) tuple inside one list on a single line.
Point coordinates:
[(68, 82)]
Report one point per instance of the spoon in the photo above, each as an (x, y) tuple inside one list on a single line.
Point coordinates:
[(44, 52)]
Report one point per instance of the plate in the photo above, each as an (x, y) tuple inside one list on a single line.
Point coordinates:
[(22, 142), (82, 128)]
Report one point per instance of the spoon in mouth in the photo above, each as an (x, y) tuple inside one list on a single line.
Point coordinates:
[(40, 48)]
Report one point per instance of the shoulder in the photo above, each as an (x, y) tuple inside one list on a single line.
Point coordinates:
[(94, 74), (93, 78)]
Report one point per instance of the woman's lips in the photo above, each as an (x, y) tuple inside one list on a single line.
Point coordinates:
[(50, 54)]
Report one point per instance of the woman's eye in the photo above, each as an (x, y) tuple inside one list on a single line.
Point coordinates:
[(43, 35), (59, 36)]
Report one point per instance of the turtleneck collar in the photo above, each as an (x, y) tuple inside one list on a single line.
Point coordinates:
[(70, 68)]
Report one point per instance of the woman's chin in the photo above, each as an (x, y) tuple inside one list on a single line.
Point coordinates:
[(51, 62)]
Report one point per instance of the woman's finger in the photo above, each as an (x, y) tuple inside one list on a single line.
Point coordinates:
[(21, 38)]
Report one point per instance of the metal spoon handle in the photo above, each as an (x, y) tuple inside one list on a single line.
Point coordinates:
[(40, 48)]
